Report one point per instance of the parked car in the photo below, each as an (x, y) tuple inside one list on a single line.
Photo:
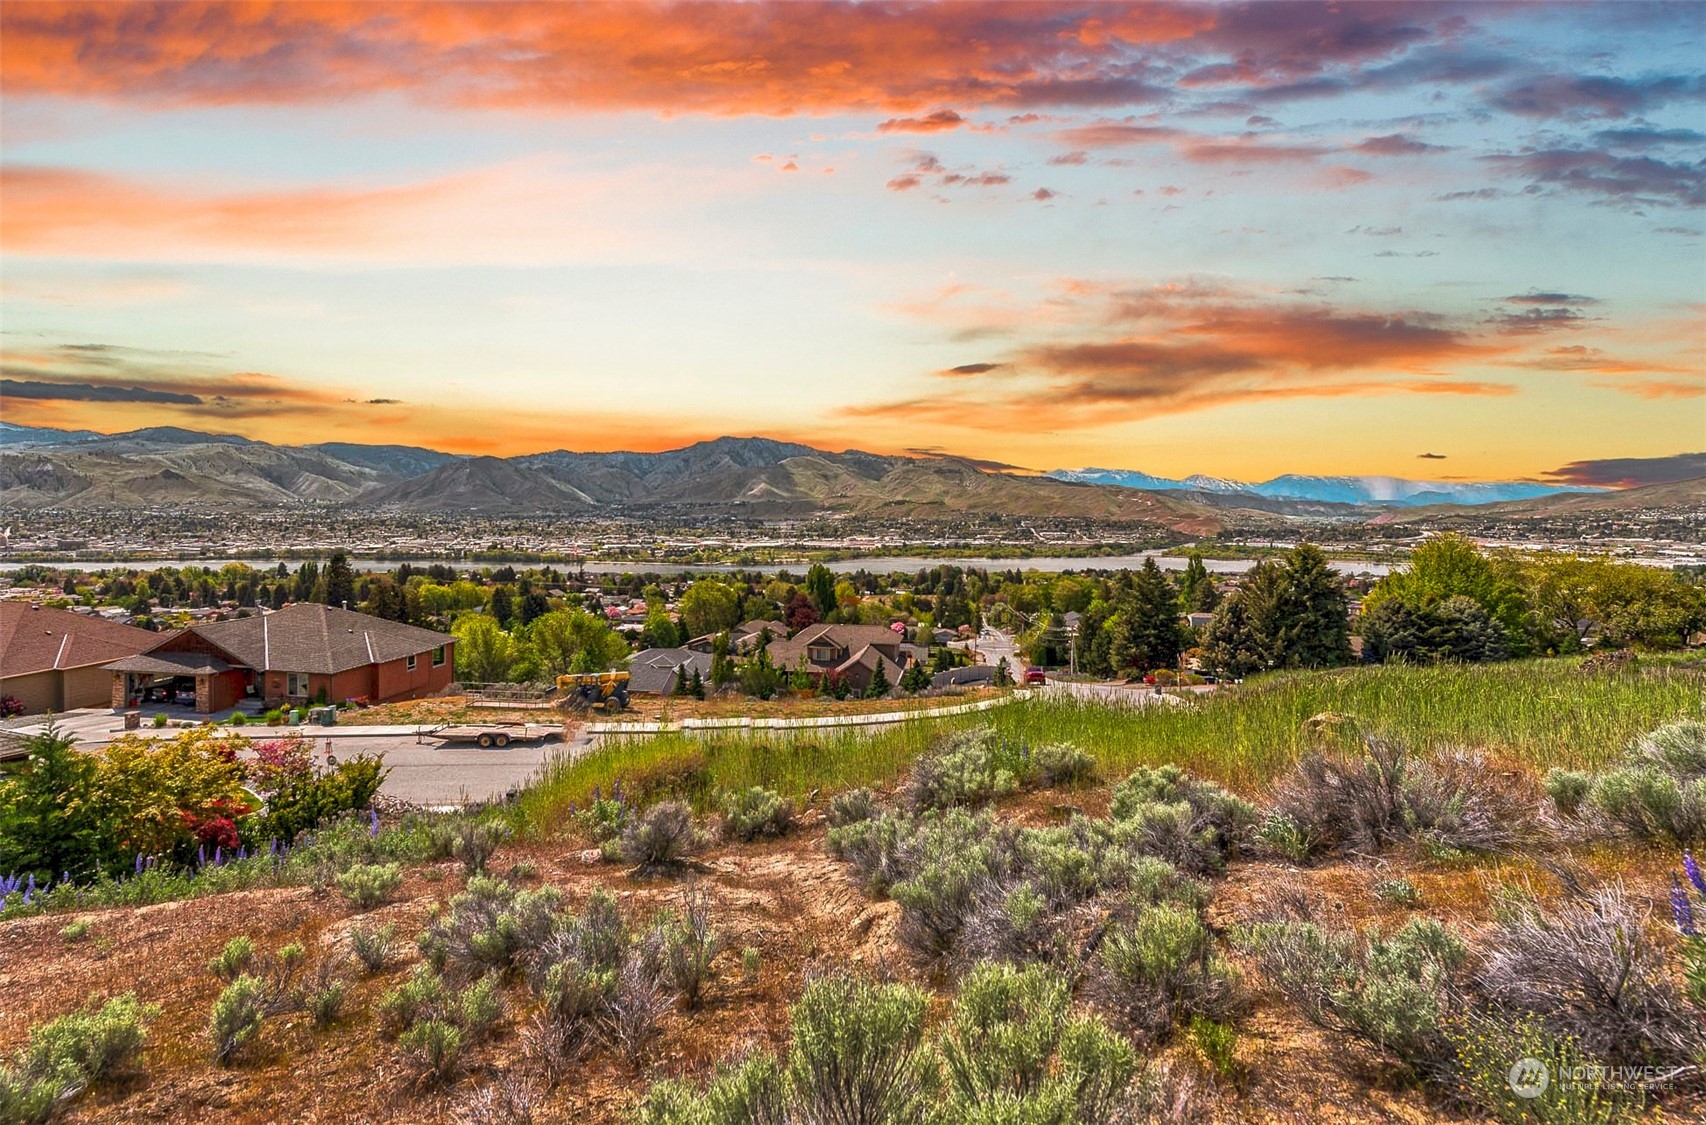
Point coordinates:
[(1035, 676)]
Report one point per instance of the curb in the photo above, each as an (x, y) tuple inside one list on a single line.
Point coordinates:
[(884, 718)]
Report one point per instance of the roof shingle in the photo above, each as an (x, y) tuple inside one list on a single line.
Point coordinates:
[(38, 639)]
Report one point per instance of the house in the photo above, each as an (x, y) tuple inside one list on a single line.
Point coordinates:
[(654, 670), (742, 638), (1199, 620), (300, 653), (53, 660), (745, 636), (851, 652)]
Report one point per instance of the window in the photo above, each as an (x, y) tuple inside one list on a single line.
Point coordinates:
[(438, 657), (296, 683), (411, 664)]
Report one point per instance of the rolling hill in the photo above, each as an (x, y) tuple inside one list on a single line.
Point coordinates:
[(42, 468)]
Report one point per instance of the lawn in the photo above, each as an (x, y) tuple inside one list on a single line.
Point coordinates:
[(1542, 712)]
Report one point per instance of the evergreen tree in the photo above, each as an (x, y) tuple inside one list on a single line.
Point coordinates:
[(916, 678), (879, 685), (697, 690), (722, 665), (1231, 646), (34, 800), (1146, 632), (307, 582), (338, 582), (502, 607), (533, 605), (1314, 630), (820, 587), (1196, 589), (759, 677)]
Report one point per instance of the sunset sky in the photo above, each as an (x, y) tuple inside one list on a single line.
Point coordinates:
[(1444, 241)]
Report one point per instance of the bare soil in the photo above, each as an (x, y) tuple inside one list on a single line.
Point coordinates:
[(786, 898)]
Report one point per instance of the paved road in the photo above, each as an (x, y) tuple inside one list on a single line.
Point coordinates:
[(421, 772)]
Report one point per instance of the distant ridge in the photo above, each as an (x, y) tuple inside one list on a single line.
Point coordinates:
[(751, 476), (41, 468), (1376, 491)]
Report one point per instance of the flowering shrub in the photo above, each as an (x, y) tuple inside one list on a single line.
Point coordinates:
[(10, 705), (307, 802), (279, 762), (69, 813), (155, 793), (1693, 940)]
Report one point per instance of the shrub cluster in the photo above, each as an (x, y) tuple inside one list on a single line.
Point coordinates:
[(659, 838), (1656, 793), (1359, 803), (971, 887), (305, 802), (1012, 1053), (978, 766), (1588, 970), (68, 1055), (754, 812), (367, 885), (1159, 967), (435, 1023), (1396, 991)]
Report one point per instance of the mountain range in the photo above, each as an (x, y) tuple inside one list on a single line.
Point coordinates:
[(168, 466), (1361, 491)]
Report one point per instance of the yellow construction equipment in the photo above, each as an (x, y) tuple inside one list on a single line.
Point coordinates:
[(583, 691)]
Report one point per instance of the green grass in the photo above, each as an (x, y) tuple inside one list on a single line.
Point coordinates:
[(1542, 712)]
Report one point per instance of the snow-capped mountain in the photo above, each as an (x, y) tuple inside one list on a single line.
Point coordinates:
[(1368, 491)]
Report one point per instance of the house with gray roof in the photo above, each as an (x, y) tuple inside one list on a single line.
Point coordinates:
[(301, 653), (655, 671)]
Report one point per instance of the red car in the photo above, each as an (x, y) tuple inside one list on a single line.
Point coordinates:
[(1035, 676)]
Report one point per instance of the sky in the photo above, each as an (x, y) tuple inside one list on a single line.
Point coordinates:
[(1444, 241)]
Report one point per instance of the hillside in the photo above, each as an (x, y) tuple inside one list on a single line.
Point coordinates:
[(757, 476)]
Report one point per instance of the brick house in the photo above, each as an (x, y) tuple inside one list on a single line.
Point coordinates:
[(55, 660), (299, 654), (851, 652)]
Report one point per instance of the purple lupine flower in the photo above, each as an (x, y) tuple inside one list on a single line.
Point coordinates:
[(1681, 909), (31, 889), (272, 848), (201, 855), (138, 870), (373, 823), (219, 855), (243, 852), (1693, 870)]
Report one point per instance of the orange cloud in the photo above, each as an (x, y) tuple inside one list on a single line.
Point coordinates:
[(55, 210), (1195, 345), (726, 58), (942, 119)]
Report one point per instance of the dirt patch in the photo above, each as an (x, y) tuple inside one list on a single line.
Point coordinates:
[(787, 899)]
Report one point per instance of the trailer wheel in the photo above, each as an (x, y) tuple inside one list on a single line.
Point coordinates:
[(485, 741), (502, 741)]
